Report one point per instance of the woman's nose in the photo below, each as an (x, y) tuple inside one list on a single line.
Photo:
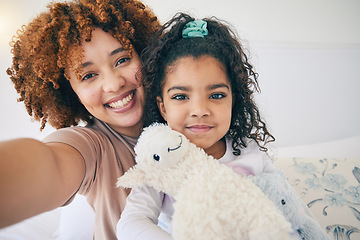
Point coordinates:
[(112, 81)]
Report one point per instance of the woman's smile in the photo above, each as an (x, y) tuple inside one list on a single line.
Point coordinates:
[(119, 102)]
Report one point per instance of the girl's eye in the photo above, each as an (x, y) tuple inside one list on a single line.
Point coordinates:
[(122, 60), (88, 76), (179, 97), (217, 96)]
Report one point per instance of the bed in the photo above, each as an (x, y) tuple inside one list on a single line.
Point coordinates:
[(325, 175)]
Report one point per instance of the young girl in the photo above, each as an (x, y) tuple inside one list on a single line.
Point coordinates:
[(199, 82), (77, 63)]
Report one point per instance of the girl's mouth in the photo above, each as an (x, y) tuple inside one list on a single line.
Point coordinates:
[(121, 102), (199, 128)]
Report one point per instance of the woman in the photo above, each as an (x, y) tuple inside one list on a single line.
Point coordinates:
[(77, 63)]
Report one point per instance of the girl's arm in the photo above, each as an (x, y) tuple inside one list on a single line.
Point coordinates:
[(36, 177), (140, 217)]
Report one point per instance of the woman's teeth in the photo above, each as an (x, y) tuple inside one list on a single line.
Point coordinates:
[(122, 103)]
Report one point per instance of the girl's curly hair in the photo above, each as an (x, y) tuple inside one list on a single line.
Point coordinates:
[(51, 43), (221, 43)]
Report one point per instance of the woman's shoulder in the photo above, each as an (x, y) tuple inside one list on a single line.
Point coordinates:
[(96, 131), (76, 134), (96, 139)]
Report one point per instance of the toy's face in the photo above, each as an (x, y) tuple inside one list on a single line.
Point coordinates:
[(171, 151), (164, 148), (159, 152)]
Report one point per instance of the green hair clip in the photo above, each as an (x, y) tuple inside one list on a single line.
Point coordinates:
[(197, 28)]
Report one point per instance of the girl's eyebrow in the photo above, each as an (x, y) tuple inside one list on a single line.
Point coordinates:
[(177, 88), (118, 50), (221, 85), (211, 87)]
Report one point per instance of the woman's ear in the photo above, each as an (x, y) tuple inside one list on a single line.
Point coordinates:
[(161, 107)]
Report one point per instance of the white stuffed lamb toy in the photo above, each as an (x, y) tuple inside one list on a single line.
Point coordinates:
[(212, 201), (278, 189)]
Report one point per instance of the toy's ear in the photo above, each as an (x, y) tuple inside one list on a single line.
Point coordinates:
[(134, 177)]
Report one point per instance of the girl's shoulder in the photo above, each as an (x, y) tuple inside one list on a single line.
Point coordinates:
[(251, 157)]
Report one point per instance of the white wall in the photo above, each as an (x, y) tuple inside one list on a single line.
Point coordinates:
[(306, 52)]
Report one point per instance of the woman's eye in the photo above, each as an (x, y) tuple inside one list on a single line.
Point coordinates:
[(88, 76), (217, 96), (179, 97), (122, 60)]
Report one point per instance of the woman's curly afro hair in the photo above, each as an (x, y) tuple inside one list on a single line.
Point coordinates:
[(47, 46), (221, 43)]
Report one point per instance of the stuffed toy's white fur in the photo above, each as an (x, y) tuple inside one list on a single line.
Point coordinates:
[(278, 189), (212, 201)]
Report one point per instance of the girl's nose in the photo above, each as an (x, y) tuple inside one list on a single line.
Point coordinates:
[(199, 109), (113, 82)]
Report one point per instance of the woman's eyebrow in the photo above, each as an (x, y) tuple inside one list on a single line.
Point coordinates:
[(85, 64), (118, 50)]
